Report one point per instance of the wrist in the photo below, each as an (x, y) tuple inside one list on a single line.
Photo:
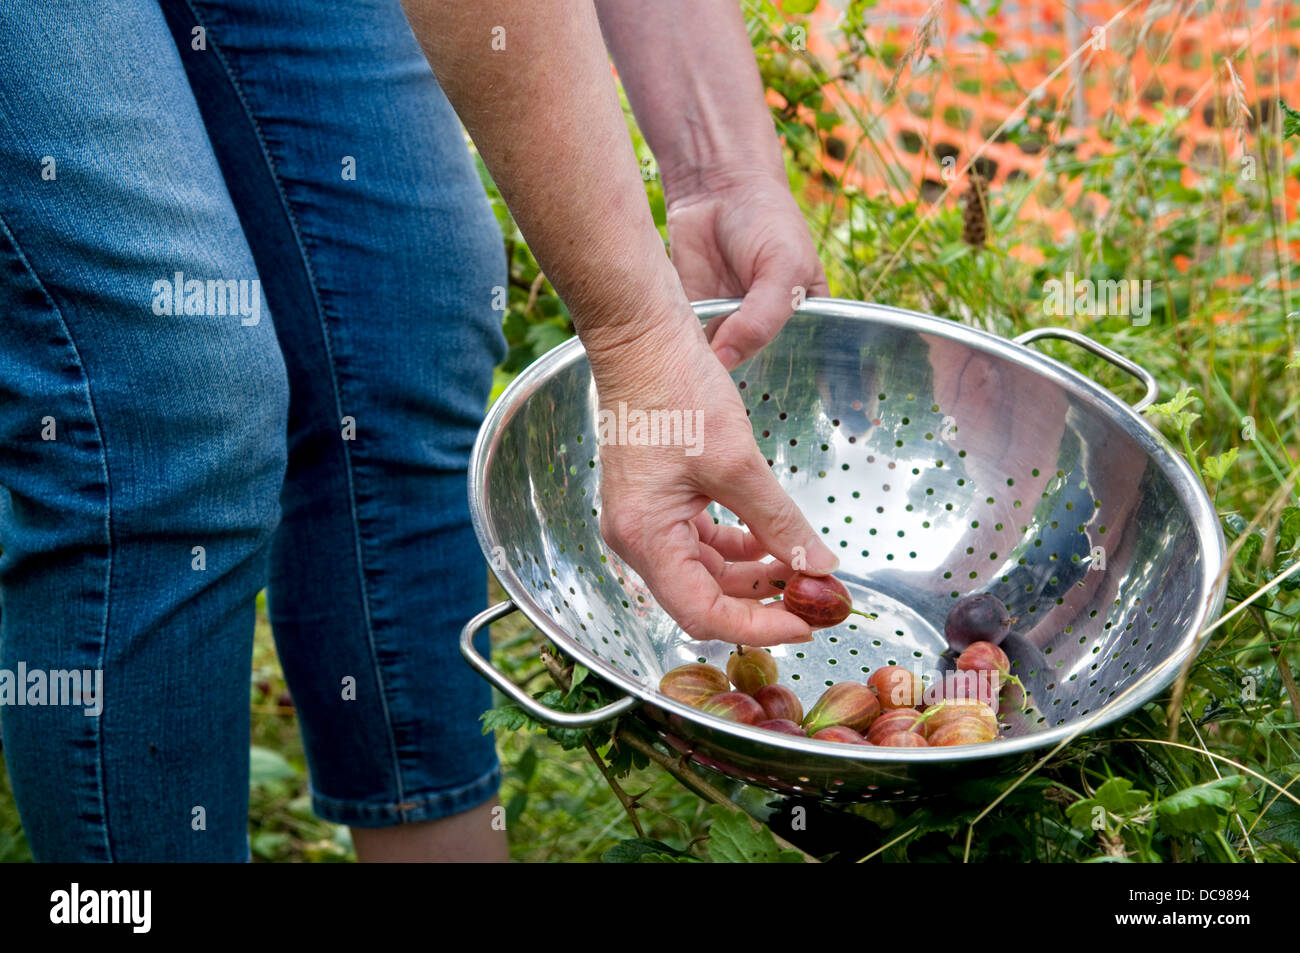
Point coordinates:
[(645, 354), (686, 182)]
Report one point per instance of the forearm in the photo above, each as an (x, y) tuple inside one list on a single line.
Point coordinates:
[(544, 114), (689, 72)]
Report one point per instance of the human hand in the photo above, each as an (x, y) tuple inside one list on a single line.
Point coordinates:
[(709, 578), (741, 234)]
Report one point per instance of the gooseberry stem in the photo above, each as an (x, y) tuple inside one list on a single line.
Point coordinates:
[(853, 611)]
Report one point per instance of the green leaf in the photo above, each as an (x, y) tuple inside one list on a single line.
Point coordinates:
[(1250, 550), (1198, 809), (1215, 468), (1117, 797), (1288, 529), (13, 848), (733, 840), (515, 809), (1290, 121), (504, 717), (267, 844), (666, 859), (641, 850), (545, 336), (799, 7), (580, 674), (1235, 523), (953, 252), (1292, 583), (623, 758), (1281, 822), (266, 767), (500, 381), (526, 766), (1176, 409)]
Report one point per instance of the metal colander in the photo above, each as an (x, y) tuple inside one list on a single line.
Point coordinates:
[(937, 460)]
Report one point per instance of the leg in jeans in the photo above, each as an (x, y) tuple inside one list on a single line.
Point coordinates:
[(389, 337), (128, 439)]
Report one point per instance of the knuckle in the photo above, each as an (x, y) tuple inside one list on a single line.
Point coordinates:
[(783, 517), (732, 469), (750, 335)]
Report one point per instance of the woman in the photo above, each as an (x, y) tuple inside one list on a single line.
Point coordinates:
[(166, 452)]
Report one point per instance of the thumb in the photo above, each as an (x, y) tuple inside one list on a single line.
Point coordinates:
[(766, 307), (773, 518)]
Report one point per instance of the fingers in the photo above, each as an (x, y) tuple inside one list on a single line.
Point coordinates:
[(732, 542), (766, 307), (745, 580), (755, 495), (672, 566)]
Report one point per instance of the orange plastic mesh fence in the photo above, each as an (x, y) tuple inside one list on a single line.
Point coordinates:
[(986, 71)]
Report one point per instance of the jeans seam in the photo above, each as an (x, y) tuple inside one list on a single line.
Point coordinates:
[(323, 314), (108, 513)]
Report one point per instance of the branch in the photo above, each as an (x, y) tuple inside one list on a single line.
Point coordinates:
[(678, 769), (1283, 666), (563, 677)]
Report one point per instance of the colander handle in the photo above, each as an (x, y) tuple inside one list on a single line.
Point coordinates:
[(1103, 352), (562, 719)]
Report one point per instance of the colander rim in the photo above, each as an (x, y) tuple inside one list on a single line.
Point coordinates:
[(1212, 548)]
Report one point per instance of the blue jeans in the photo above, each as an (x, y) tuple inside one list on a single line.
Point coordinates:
[(247, 275)]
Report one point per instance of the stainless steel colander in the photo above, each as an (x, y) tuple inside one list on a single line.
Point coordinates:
[(937, 460)]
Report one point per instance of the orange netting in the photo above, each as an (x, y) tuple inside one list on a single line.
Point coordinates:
[(991, 72)]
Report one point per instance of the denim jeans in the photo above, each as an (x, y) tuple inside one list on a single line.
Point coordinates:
[(247, 274)]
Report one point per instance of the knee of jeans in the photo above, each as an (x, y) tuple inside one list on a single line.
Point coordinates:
[(201, 464)]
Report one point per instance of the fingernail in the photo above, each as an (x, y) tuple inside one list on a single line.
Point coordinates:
[(822, 560), (729, 357), (804, 639)]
